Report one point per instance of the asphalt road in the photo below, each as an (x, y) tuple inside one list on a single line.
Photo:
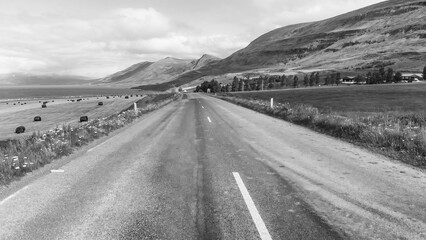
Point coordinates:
[(202, 168)]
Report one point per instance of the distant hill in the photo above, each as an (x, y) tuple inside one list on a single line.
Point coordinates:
[(163, 71), (391, 33), (388, 34), (19, 79)]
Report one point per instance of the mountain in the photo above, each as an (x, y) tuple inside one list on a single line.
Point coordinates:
[(163, 71), (388, 34), (19, 79)]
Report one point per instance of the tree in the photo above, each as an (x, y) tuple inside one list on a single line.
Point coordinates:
[(234, 86), (283, 80), (317, 78), (214, 86), (204, 86), (312, 79), (332, 78), (327, 80), (368, 78), (375, 78), (424, 73), (295, 81), (289, 81), (382, 75), (305, 80), (398, 77), (337, 79), (241, 85), (359, 78), (389, 75)]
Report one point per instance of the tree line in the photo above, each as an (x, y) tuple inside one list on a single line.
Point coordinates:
[(267, 82)]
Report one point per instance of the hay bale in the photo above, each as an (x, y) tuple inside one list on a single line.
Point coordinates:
[(20, 129)]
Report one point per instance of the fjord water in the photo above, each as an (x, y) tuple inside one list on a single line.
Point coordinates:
[(29, 92)]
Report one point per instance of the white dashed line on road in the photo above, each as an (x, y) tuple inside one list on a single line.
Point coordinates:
[(257, 219), (208, 118), (13, 195)]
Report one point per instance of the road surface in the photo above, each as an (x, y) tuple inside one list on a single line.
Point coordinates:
[(202, 168)]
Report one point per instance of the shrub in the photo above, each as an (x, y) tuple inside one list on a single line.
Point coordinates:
[(398, 135)]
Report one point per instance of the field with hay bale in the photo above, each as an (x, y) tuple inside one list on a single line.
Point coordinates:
[(56, 113), (29, 152)]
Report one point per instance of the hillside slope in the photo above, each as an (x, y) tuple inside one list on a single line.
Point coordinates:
[(388, 34), (163, 71)]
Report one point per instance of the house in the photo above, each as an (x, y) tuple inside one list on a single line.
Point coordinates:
[(349, 80), (410, 77)]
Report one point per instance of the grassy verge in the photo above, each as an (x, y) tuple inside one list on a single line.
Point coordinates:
[(23, 155), (401, 136)]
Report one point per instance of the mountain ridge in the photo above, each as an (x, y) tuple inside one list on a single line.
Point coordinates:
[(390, 33), (158, 72)]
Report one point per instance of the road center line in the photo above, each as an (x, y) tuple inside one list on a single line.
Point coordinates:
[(13, 195), (208, 118), (257, 219)]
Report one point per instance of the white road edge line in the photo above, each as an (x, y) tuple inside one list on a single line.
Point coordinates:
[(96, 146), (208, 118), (257, 219), (13, 195)]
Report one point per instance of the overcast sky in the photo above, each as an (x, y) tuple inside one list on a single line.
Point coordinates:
[(99, 37)]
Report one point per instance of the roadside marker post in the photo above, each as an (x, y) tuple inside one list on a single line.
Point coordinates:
[(136, 108), (272, 102)]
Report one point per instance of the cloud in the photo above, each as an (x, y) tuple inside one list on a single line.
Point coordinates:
[(63, 44), (53, 43), (278, 13), (101, 41)]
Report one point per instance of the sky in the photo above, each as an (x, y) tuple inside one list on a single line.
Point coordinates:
[(96, 38)]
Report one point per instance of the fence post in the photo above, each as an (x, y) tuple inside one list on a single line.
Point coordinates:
[(272, 102), (136, 108)]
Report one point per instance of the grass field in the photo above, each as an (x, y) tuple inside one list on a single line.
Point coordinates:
[(367, 98), (389, 119), (58, 113)]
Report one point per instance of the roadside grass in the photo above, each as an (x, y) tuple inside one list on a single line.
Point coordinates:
[(19, 156), (344, 99), (396, 134)]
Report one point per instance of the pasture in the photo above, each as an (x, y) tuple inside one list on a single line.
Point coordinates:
[(56, 113), (410, 97)]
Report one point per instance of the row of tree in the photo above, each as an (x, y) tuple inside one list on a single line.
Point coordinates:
[(264, 82), (267, 82)]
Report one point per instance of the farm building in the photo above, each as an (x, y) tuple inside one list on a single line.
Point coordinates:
[(409, 77), (348, 80)]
